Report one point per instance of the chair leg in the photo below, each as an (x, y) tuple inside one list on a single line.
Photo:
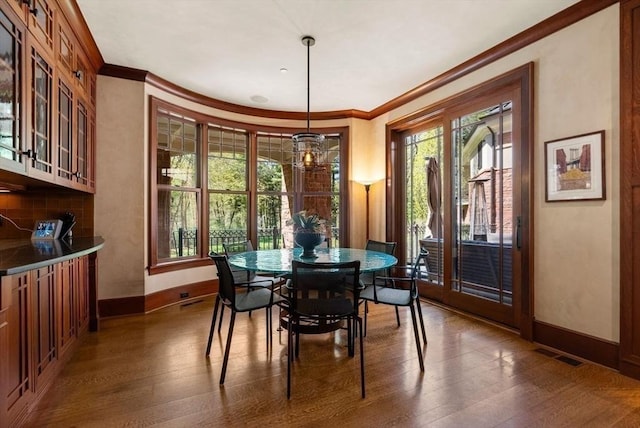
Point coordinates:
[(350, 337), (268, 309), (296, 325), (226, 349), (220, 322), (424, 334), (397, 316), (366, 311), (289, 355), (415, 333), (359, 324), (213, 323)]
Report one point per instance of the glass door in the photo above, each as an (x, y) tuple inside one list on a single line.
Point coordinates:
[(482, 210), (459, 183)]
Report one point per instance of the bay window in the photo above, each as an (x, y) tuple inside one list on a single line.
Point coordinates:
[(216, 181)]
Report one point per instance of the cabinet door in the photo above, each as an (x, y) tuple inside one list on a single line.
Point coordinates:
[(40, 21), (66, 148), (43, 314), (66, 49), (17, 378), (20, 8), (11, 81), (82, 292), (66, 304), (41, 82), (84, 173)]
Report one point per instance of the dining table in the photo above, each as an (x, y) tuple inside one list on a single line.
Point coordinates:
[(278, 261)]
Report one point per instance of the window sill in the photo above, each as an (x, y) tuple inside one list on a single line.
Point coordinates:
[(178, 265)]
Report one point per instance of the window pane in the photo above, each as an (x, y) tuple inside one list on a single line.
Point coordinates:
[(275, 171), (227, 158), (273, 213), (424, 189), (227, 219), (483, 197), (323, 206), (177, 155), (177, 224)]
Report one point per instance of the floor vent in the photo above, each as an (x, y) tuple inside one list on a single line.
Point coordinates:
[(563, 358), (191, 303), (547, 352), (569, 361)]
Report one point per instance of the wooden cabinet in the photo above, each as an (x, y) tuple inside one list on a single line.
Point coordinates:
[(42, 314), (76, 117), (16, 380), (47, 123)]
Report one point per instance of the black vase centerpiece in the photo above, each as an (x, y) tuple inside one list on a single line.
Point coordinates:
[(309, 232), (308, 241)]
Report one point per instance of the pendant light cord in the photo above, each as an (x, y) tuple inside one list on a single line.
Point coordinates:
[(308, 43)]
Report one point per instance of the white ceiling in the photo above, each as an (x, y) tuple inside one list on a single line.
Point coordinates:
[(367, 52)]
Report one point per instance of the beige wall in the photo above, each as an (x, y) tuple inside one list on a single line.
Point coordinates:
[(119, 200), (576, 91), (576, 243)]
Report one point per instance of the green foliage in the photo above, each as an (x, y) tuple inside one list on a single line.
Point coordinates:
[(308, 222), (425, 144)]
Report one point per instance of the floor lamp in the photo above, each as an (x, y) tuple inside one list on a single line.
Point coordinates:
[(367, 185)]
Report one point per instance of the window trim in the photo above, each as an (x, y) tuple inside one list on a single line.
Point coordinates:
[(201, 259)]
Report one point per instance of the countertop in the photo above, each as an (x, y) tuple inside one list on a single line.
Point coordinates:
[(20, 255)]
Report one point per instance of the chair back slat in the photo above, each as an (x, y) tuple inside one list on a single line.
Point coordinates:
[(324, 281), (382, 247), (231, 248), (237, 247)]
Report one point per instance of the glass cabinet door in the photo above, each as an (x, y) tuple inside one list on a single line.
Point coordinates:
[(41, 151), (10, 98)]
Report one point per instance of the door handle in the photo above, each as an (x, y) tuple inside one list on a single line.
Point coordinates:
[(519, 232)]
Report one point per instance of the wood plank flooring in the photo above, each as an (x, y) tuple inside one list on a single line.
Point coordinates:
[(151, 371)]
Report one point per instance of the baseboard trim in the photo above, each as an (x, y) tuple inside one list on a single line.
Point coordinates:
[(171, 296), (142, 304), (578, 344)]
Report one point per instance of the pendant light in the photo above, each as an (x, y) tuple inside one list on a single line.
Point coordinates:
[(307, 144)]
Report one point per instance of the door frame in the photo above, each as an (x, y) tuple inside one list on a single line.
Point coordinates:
[(521, 81)]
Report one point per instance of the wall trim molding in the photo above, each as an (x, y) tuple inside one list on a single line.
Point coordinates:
[(136, 305), (557, 22), (587, 347)]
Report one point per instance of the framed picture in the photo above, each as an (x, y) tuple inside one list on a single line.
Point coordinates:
[(574, 168), (46, 230)]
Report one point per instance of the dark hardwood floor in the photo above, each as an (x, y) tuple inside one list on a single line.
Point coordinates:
[(151, 371)]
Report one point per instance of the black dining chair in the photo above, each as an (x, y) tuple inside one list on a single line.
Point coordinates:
[(367, 278), (238, 300), (399, 292), (245, 278), (323, 294)]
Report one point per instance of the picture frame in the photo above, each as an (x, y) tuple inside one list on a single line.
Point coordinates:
[(574, 168), (46, 230)]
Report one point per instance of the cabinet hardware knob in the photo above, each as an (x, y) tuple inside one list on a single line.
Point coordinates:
[(78, 74), (29, 153)]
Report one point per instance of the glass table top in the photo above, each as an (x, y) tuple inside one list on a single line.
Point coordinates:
[(279, 261)]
